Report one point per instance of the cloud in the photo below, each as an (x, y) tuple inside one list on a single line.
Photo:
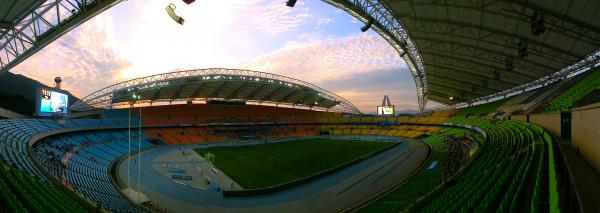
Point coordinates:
[(318, 59), (324, 21), (85, 58), (366, 90), (361, 67), (274, 19)]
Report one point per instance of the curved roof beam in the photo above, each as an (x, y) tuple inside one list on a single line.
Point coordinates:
[(214, 83), (506, 36), (43, 24), (457, 58), (485, 34), (532, 53), (393, 31)]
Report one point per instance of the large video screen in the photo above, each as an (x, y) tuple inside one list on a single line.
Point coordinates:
[(51, 102), (385, 110)]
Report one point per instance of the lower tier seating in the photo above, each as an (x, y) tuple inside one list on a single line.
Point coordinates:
[(87, 156), (513, 171), (403, 130), (20, 192), (426, 179)]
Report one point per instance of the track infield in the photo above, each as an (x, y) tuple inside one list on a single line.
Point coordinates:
[(266, 165)]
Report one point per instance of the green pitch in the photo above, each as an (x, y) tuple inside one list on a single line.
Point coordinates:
[(264, 165)]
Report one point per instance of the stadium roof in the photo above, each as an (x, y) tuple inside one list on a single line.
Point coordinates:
[(465, 49), (215, 84), (26, 26)]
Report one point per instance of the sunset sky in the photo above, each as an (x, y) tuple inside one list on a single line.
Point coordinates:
[(313, 42)]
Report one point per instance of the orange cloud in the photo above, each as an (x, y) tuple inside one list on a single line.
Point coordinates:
[(85, 58)]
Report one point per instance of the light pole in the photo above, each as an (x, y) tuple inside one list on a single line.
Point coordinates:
[(137, 97)]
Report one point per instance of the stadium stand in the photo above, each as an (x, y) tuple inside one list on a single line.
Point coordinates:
[(15, 134), (20, 192), (520, 149), (509, 166), (572, 95), (516, 158), (515, 161), (482, 109), (183, 135), (87, 157), (427, 179), (407, 131)]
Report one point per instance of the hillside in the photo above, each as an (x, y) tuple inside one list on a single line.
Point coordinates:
[(17, 93)]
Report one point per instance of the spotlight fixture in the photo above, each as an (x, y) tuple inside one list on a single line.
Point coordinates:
[(497, 74), (508, 64), (290, 3), (367, 25), (537, 23), (171, 12), (522, 47)]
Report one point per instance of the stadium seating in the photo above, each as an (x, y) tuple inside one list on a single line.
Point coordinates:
[(199, 134), (481, 109), (567, 99), (516, 161), (22, 193), (424, 181), (516, 155), (88, 156), (510, 173), (211, 113), (407, 131)]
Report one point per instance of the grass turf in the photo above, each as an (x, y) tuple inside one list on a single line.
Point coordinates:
[(265, 165)]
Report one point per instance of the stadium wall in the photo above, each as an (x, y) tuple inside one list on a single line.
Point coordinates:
[(519, 117), (585, 133), (550, 121)]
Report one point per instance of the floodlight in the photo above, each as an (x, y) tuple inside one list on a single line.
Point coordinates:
[(523, 48), (367, 25), (508, 64), (171, 11), (537, 24), (188, 1), (290, 3)]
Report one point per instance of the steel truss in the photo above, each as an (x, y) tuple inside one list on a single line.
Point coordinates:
[(394, 32), (589, 62), (104, 98), (42, 25)]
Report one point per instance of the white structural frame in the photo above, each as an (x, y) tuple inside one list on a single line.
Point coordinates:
[(103, 98), (42, 25), (394, 32)]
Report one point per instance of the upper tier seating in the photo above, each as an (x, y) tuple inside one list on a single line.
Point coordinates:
[(481, 109), (216, 113), (568, 98), (198, 134)]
